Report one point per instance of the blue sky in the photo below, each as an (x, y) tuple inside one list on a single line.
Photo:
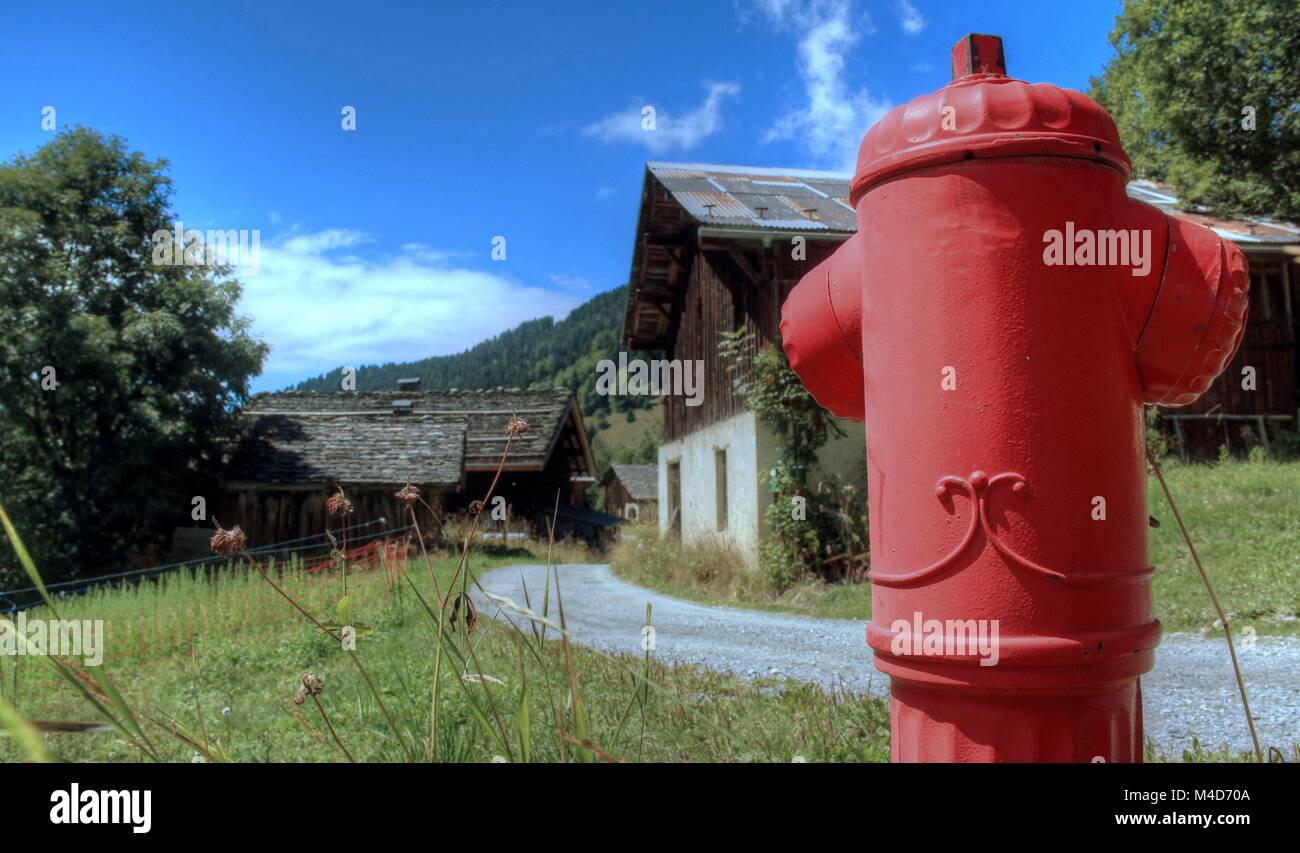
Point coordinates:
[(476, 120)]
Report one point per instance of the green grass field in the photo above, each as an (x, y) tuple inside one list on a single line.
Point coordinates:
[(1244, 518), (219, 660), (227, 656), (624, 433)]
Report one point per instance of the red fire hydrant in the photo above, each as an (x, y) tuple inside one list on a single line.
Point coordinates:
[(998, 320)]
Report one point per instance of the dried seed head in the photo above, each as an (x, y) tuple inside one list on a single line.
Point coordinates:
[(471, 615), (313, 684), (338, 504), (228, 542), (516, 426), (475, 507), (299, 697), (409, 495)]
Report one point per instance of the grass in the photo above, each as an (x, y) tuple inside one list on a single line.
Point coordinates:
[(226, 656), (622, 432), (208, 668), (1244, 518), (250, 650), (713, 572)]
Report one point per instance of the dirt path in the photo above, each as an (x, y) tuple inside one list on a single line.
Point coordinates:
[(1190, 692)]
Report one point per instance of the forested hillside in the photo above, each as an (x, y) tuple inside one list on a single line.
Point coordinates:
[(539, 353)]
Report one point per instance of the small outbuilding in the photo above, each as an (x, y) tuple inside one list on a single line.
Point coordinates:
[(632, 492)]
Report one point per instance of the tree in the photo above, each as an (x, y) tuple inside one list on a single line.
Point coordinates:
[(1206, 95), (118, 376)]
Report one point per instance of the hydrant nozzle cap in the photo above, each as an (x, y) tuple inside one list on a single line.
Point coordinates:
[(978, 54), (984, 114)]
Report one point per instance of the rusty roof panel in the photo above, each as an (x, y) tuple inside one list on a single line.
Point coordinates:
[(711, 207), (758, 197), (687, 183), (1245, 230)]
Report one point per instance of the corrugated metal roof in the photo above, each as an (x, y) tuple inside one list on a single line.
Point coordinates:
[(762, 197), (657, 166), (1246, 230)]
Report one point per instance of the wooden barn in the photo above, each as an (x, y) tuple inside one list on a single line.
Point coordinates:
[(632, 492), (294, 449), (718, 248)]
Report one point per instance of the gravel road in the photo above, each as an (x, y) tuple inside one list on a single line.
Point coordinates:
[(1191, 691)]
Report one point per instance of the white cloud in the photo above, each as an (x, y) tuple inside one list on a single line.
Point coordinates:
[(776, 12), (323, 241), (428, 254), (319, 309), (670, 132), (831, 124), (565, 281), (909, 18)]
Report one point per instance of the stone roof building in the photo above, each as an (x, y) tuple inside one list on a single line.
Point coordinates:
[(294, 449), (632, 492)]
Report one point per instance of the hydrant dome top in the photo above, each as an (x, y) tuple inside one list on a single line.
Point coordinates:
[(983, 114)]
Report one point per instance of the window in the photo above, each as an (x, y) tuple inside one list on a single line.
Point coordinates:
[(720, 485), (675, 499)]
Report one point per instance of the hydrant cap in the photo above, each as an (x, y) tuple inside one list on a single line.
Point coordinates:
[(983, 114)]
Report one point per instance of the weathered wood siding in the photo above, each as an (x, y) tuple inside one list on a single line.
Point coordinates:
[(617, 498), (720, 297), (1269, 346), (271, 514)]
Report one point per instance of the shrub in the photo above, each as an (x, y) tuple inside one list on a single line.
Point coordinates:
[(820, 531)]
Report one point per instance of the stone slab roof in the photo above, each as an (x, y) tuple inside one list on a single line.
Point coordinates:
[(386, 437), (641, 481)]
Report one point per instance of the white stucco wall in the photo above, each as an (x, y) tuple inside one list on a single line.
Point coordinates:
[(695, 453), (751, 451)]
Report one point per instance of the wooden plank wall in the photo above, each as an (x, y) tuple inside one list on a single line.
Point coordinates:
[(1269, 346), (269, 515), (616, 497), (720, 298)]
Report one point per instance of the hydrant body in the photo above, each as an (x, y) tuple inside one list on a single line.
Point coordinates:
[(999, 320)]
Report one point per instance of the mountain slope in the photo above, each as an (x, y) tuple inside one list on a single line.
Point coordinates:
[(540, 353)]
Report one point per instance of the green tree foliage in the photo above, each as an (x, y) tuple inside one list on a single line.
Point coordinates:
[(1189, 79), (147, 360), (644, 452), (820, 530), (542, 353)]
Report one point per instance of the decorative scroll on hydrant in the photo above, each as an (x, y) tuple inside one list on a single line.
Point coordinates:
[(999, 320)]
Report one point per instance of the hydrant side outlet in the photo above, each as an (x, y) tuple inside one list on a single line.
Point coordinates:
[(1013, 309)]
